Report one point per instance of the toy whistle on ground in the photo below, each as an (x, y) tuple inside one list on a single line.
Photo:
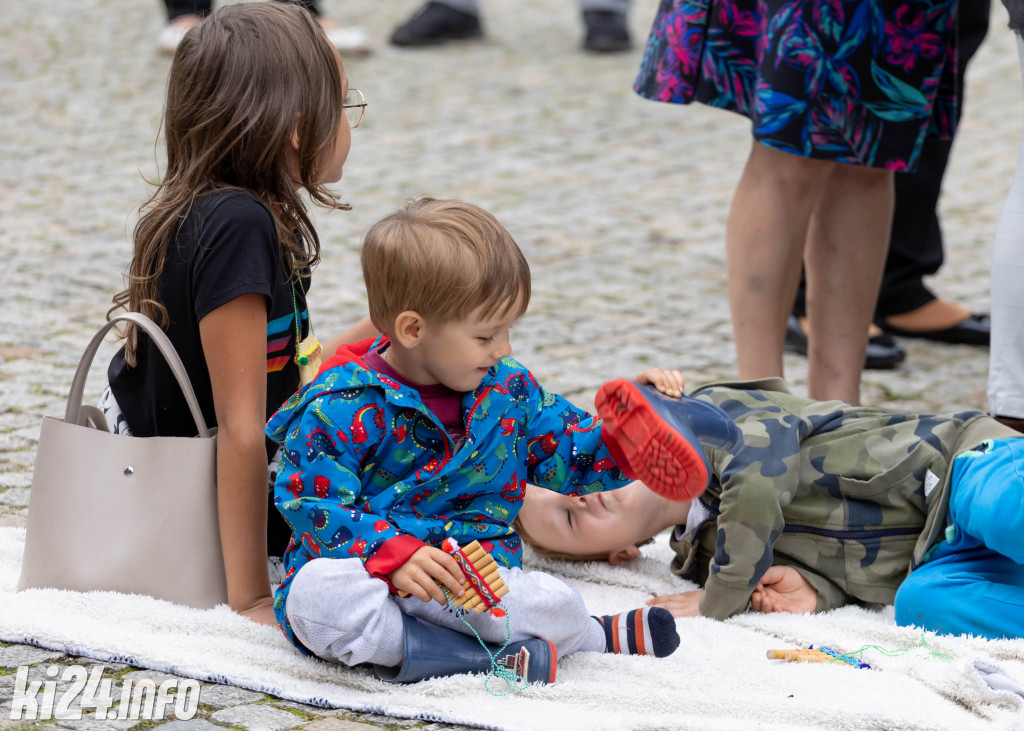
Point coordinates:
[(817, 653), (483, 587), (820, 653)]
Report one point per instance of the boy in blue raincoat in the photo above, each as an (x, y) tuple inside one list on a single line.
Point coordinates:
[(432, 432)]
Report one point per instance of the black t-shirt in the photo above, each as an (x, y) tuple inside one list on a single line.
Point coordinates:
[(226, 247)]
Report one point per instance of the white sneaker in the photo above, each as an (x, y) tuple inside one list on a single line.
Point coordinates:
[(168, 40), (172, 33), (349, 39)]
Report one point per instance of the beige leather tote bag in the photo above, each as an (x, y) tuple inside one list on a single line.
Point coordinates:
[(128, 514)]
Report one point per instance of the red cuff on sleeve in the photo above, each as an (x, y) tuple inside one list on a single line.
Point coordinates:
[(392, 554)]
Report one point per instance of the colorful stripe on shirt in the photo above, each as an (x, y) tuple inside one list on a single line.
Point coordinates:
[(279, 335)]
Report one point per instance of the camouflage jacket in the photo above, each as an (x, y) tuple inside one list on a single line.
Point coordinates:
[(852, 497)]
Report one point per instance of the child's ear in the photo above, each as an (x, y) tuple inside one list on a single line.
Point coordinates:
[(623, 555), (408, 329)]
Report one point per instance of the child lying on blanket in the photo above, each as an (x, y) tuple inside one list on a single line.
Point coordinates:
[(822, 504), (427, 434)]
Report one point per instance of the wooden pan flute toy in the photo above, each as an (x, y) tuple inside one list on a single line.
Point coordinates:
[(815, 654), (483, 588)]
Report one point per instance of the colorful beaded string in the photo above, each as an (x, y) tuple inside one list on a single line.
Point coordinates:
[(512, 681), (849, 656)]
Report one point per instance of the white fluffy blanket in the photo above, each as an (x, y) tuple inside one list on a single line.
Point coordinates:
[(718, 679)]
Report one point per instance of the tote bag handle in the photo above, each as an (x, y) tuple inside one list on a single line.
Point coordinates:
[(163, 344)]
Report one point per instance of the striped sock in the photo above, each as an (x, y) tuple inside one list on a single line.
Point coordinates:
[(645, 631)]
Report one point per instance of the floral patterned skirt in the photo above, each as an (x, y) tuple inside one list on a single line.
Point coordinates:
[(853, 81)]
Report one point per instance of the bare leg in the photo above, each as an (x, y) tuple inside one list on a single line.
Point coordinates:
[(765, 238), (937, 314), (844, 258)]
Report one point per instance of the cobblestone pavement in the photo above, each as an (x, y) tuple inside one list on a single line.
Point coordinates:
[(618, 203)]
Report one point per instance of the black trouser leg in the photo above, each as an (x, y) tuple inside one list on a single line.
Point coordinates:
[(915, 245), (178, 8), (311, 5)]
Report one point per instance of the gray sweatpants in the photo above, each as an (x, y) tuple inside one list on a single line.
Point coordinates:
[(473, 6), (342, 614)]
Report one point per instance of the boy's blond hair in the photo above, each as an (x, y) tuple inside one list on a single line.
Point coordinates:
[(443, 259), (540, 550)]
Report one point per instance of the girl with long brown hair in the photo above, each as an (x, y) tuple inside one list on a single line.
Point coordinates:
[(258, 106)]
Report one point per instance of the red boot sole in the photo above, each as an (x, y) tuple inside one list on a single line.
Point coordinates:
[(637, 437), (554, 661)]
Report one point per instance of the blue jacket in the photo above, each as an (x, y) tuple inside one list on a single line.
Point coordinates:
[(369, 472)]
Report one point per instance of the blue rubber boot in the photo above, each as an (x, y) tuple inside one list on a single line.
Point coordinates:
[(661, 440), (437, 652)]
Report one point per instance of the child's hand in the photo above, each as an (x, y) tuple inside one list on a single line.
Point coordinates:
[(669, 383), (784, 589), (686, 604), (424, 570)]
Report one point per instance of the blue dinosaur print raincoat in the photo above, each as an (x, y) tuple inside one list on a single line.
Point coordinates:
[(369, 472)]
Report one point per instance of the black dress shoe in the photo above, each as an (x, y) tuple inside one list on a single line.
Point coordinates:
[(435, 23), (1016, 424), (606, 31), (974, 330), (883, 352)]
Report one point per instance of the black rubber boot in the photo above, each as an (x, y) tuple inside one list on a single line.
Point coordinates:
[(661, 440), (437, 652)]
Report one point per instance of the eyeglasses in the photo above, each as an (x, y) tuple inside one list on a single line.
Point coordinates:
[(354, 105)]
